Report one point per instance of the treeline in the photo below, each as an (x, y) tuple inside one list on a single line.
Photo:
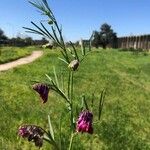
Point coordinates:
[(18, 41)]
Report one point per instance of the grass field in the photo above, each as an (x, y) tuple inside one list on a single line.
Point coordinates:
[(125, 123), (8, 54)]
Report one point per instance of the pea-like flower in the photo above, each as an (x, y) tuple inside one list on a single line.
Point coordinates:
[(84, 122), (32, 133), (74, 65), (43, 90)]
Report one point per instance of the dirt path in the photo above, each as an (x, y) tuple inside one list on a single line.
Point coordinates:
[(21, 61)]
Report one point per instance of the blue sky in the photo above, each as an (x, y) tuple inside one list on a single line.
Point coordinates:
[(79, 17)]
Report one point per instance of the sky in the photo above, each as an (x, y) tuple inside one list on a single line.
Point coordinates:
[(78, 17)]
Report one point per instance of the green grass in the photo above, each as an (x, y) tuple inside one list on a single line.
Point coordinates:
[(125, 123), (8, 54)]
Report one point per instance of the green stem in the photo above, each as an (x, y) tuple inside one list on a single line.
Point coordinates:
[(71, 101), (69, 84), (62, 40), (71, 141), (71, 88)]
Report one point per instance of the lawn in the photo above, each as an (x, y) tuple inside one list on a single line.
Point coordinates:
[(8, 54), (125, 122)]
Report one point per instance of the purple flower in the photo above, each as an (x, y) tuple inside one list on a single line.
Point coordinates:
[(74, 64), (43, 90), (84, 122), (32, 133)]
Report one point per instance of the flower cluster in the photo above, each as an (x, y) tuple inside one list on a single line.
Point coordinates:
[(72, 58), (84, 122), (43, 90), (32, 133)]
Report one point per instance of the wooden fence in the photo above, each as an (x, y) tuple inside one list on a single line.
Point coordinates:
[(136, 42)]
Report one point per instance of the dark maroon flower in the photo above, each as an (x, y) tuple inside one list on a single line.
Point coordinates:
[(32, 133), (74, 64), (43, 90), (84, 122)]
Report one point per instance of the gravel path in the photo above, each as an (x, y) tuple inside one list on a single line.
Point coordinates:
[(21, 61)]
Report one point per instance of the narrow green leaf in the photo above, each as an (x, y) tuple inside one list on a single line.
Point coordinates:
[(50, 79), (90, 41), (63, 60), (84, 102), (92, 101), (44, 33), (55, 35), (47, 32), (60, 131), (50, 127), (36, 5), (62, 52), (82, 48), (75, 52), (82, 105), (72, 54), (56, 78), (101, 102), (57, 90), (46, 5), (48, 138), (33, 30)]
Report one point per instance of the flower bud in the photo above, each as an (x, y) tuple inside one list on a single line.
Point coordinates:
[(43, 90), (74, 65), (50, 22)]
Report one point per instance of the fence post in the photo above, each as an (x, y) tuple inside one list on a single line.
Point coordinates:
[(146, 42), (139, 41), (135, 42)]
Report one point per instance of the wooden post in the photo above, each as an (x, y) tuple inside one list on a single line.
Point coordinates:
[(127, 42), (139, 41), (146, 42), (123, 41), (119, 42), (143, 42), (135, 42)]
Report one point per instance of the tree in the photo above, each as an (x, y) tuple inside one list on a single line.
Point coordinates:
[(104, 37), (107, 35), (3, 37), (28, 41), (96, 39)]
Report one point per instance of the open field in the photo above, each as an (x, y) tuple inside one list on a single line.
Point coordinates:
[(125, 123), (8, 54)]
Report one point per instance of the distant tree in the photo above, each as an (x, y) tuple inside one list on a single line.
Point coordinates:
[(3, 37), (76, 43), (28, 41), (44, 41), (96, 39), (104, 37), (107, 35)]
